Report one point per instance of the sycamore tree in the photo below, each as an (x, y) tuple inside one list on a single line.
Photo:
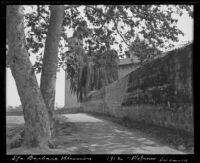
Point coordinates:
[(47, 34), (37, 128), (38, 104), (50, 60)]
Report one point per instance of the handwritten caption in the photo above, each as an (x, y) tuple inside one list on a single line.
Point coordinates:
[(31, 157), (145, 158), (138, 158)]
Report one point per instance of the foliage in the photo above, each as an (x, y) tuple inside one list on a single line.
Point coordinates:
[(156, 24), (89, 71), (142, 50), (99, 27)]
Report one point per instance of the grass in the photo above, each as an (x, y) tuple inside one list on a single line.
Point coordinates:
[(15, 136)]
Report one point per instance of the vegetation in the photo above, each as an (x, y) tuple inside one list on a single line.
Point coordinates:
[(143, 51), (92, 71), (14, 109), (142, 29), (93, 66)]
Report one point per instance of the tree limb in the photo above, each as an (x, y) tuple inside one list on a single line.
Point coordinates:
[(120, 33), (113, 21), (71, 6)]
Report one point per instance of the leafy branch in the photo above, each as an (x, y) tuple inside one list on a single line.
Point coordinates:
[(111, 18)]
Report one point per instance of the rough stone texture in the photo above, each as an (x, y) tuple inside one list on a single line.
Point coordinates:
[(125, 69), (114, 95), (159, 92), (95, 100)]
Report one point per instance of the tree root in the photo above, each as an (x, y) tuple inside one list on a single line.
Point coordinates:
[(15, 138), (16, 141)]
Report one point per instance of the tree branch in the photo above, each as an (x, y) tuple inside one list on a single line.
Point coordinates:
[(71, 6), (120, 33), (113, 21), (99, 11)]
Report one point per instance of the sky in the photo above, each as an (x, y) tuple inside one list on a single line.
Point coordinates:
[(185, 24)]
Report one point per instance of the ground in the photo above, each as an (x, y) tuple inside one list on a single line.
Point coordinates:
[(88, 134)]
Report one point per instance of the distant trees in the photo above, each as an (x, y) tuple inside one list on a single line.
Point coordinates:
[(14, 109), (9, 108)]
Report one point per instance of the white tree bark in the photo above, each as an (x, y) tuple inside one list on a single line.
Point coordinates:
[(37, 127)]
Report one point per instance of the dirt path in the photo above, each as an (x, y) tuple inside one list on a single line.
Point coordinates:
[(97, 136)]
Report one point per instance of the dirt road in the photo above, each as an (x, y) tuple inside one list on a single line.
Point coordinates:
[(97, 136)]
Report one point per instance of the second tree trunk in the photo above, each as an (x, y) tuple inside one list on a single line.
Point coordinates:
[(50, 59)]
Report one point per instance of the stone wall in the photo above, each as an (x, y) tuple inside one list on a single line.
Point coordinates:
[(123, 70), (159, 92)]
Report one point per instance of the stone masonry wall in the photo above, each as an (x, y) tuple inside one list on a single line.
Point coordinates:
[(159, 92), (123, 70)]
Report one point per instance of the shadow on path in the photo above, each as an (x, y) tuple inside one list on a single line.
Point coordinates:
[(104, 137), (85, 134)]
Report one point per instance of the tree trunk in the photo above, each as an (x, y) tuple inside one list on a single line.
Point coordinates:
[(50, 60), (37, 127)]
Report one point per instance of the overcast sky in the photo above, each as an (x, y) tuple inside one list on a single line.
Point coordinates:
[(185, 23)]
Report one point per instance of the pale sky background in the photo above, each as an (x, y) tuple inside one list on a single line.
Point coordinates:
[(185, 23)]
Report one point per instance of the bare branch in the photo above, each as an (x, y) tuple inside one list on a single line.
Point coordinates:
[(120, 33)]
